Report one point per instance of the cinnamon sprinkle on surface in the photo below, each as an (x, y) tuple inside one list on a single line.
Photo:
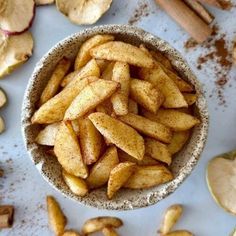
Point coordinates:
[(217, 56), (141, 11)]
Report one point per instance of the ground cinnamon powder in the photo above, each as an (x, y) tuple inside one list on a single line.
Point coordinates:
[(219, 57), (141, 11)]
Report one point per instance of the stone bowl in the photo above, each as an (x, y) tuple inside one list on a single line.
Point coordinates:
[(50, 169)]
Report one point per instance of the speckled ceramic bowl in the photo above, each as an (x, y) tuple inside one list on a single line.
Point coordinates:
[(48, 166)]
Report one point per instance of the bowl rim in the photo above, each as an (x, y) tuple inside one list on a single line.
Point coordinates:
[(171, 186)]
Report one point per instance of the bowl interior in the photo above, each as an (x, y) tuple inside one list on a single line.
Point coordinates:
[(48, 166)]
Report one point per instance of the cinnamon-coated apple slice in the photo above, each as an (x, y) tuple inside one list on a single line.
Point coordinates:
[(44, 2)]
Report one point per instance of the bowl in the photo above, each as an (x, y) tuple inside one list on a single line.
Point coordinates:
[(48, 166)]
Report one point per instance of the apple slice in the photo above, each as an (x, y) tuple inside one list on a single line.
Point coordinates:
[(44, 2), (16, 16), (83, 12), (14, 51), (221, 179)]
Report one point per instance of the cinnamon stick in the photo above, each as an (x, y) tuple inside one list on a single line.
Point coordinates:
[(1, 173), (200, 10), (6, 216), (222, 4), (187, 18)]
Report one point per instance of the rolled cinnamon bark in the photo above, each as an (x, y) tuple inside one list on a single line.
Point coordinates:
[(6, 216), (200, 10), (222, 4), (189, 20)]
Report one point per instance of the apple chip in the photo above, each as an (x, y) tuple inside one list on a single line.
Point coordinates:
[(77, 185), (105, 107), (44, 2), (107, 73), (148, 127), (157, 150), (178, 140), (98, 223), (83, 55), (83, 12), (99, 173), (53, 84), (181, 84), (15, 50), (157, 76), (56, 218), (90, 141), (68, 152), (54, 109), (92, 95), (75, 126), (118, 177), (221, 180), (190, 98), (144, 49), (102, 64), (119, 99), (47, 135), (132, 107), (146, 95), (16, 16), (122, 135), (148, 176), (123, 52), (161, 58), (90, 69), (146, 161), (176, 120)]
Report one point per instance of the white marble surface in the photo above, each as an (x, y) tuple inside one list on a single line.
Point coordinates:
[(25, 188)]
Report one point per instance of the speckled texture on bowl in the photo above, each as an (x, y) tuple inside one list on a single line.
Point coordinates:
[(48, 166)]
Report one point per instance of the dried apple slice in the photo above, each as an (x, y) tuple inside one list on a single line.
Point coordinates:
[(44, 2), (83, 12), (14, 51), (221, 180), (16, 15)]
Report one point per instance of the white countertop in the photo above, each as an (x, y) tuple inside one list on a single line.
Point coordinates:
[(22, 185)]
